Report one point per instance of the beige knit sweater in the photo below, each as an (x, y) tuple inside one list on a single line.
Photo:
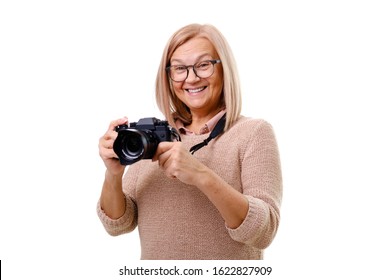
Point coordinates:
[(177, 221)]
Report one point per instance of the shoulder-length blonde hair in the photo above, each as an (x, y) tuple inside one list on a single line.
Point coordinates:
[(169, 104)]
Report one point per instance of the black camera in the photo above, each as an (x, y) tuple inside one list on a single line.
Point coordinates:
[(140, 139)]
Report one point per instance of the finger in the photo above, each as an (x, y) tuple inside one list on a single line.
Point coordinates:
[(161, 149), (108, 144), (106, 153), (117, 122), (163, 160), (110, 135), (107, 140)]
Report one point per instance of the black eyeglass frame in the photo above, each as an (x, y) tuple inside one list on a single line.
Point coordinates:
[(213, 62)]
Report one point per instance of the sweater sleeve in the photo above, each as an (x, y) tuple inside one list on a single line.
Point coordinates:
[(122, 225), (262, 185), (129, 219)]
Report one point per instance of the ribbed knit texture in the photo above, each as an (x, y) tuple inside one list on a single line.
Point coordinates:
[(177, 221)]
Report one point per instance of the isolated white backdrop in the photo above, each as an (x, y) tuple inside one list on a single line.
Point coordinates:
[(318, 71)]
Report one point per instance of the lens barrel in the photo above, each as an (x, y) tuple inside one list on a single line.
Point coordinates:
[(133, 145)]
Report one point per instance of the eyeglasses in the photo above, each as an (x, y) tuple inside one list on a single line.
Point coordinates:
[(203, 69)]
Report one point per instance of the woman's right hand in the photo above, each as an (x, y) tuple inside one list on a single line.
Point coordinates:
[(106, 151)]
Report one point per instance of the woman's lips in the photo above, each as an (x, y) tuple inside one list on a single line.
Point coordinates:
[(194, 91)]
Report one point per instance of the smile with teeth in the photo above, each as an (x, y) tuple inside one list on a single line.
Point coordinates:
[(195, 90)]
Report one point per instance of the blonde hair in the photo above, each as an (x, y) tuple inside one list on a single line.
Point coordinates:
[(170, 105)]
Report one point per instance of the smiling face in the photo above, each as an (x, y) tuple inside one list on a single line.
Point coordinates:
[(201, 95)]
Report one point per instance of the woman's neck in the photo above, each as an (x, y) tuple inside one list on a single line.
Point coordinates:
[(200, 119)]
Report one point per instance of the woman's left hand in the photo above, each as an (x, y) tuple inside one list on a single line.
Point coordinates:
[(178, 163)]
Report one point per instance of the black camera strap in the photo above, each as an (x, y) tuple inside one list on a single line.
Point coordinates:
[(218, 129)]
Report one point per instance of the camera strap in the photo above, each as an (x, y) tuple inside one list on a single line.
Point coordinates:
[(218, 129)]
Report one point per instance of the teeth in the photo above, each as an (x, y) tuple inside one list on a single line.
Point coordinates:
[(195, 90)]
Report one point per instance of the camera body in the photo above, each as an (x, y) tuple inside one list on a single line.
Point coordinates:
[(139, 140)]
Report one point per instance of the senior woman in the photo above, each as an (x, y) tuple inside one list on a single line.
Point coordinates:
[(197, 199)]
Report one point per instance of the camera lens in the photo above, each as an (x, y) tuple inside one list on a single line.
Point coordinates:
[(133, 146)]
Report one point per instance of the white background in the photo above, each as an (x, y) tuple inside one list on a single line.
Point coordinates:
[(318, 71)]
